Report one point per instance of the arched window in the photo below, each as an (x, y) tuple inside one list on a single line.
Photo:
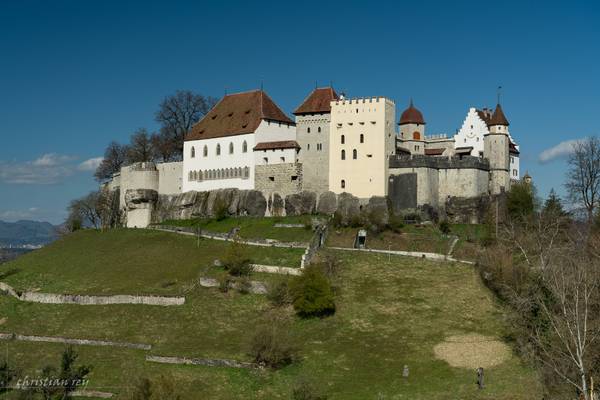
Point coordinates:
[(343, 184), (319, 129), (205, 151), (195, 176), (343, 154), (244, 147), (416, 136), (354, 154), (200, 175), (193, 152), (308, 130), (218, 149), (362, 138), (246, 172), (190, 176), (231, 148), (343, 139)]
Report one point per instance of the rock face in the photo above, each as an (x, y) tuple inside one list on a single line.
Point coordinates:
[(301, 203), (348, 207), (377, 210), (277, 207), (137, 198), (472, 210), (327, 203)]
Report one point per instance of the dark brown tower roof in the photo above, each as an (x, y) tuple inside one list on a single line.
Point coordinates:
[(498, 118), (411, 116), (238, 114), (319, 101)]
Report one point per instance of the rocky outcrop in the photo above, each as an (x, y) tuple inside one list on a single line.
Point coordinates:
[(472, 210), (377, 210), (301, 203), (327, 203), (348, 207), (276, 206), (203, 204), (138, 198)]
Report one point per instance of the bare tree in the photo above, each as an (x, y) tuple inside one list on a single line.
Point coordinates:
[(86, 210), (115, 156), (179, 112), (571, 327), (140, 147), (583, 176), (163, 147)]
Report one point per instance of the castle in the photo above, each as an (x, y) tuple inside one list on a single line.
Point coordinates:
[(334, 145)]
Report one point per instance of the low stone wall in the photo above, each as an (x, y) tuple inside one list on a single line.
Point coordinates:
[(317, 241), (228, 237), (209, 362), (52, 298), (256, 287), (270, 269), (84, 342)]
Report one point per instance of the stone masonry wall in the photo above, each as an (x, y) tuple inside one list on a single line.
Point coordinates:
[(283, 179)]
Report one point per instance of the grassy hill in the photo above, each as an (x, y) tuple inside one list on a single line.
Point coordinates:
[(391, 312)]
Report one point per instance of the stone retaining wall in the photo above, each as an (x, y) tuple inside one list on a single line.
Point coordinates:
[(256, 287), (85, 342), (209, 362), (53, 298)]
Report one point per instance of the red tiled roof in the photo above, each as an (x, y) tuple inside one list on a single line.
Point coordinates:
[(411, 116), (485, 115), (319, 101), (434, 152), (498, 118), (237, 114), (285, 144)]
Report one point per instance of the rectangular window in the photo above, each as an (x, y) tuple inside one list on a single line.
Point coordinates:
[(294, 178), (272, 178)]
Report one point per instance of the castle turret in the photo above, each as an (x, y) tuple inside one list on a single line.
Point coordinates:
[(496, 150), (412, 129)]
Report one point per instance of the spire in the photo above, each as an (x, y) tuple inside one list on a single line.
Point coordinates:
[(498, 118)]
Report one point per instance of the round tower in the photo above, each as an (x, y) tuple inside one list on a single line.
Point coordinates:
[(412, 129), (496, 150)]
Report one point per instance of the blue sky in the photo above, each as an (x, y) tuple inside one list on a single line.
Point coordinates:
[(76, 75)]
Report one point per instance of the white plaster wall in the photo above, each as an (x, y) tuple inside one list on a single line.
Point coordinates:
[(269, 131), (375, 119), (472, 132), (213, 161), (137, 179), (274, 156), (515, 172), (170, 177)]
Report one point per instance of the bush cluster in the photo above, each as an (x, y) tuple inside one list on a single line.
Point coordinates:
[(312, 294)]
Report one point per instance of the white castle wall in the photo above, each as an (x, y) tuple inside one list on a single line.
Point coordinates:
[(374, 118), (464, 182), (471, 133), (226, 161)]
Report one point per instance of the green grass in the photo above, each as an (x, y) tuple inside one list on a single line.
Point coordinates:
[(254, 228), (126, 262), (412, 238), (391, 312)]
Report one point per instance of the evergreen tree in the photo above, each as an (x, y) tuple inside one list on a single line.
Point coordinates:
[(553, 205)]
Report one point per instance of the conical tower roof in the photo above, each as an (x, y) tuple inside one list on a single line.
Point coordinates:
[(498, 118)]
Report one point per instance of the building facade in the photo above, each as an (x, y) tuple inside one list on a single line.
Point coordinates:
[(223, 149), (362, 137), (313, 121)]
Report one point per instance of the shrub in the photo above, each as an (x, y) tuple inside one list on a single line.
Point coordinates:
[(338, 220), (272, 345), (356, 221), (236, 261), (306, 390), (279, 294), (220, 209), (312, 295), (396, 223), (224, 283), (444, 227), (7, 374), (244, 285)]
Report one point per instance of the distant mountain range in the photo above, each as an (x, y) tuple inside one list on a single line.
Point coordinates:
[(26, 233)]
